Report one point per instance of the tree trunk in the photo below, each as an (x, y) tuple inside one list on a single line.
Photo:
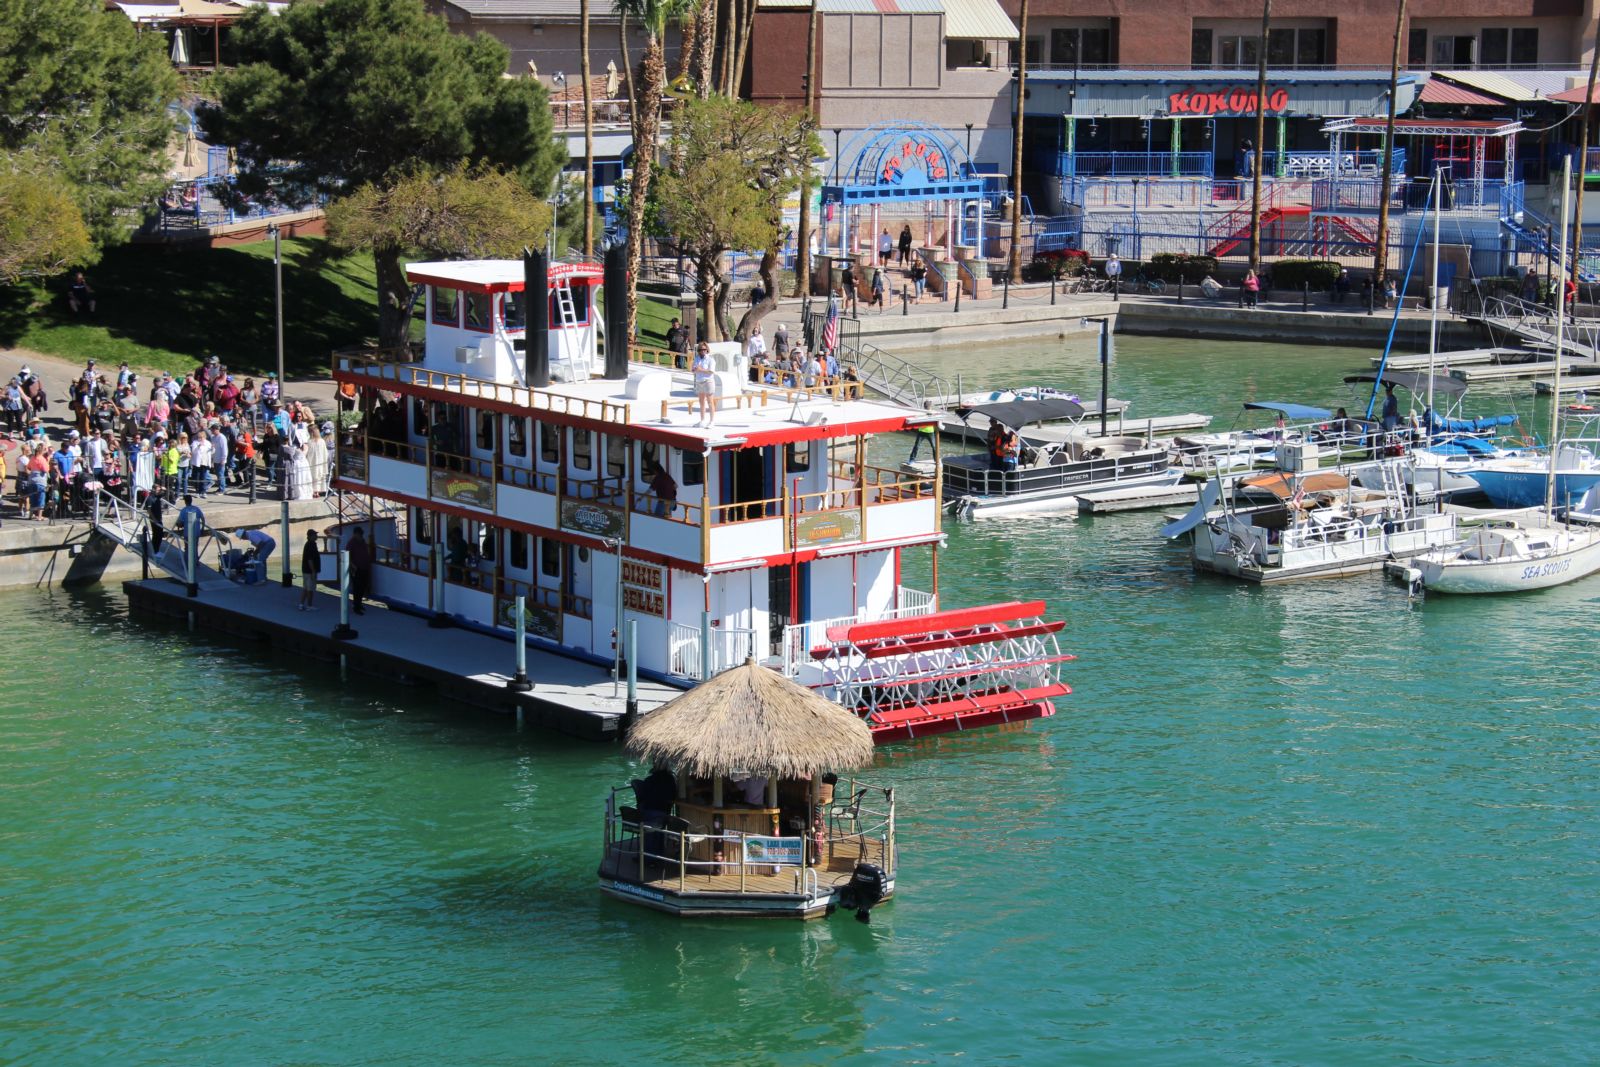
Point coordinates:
[(707, 281), (588, 132), (768, 270), (802, 251), (1015, 260), (646, 125), (1380, 256), (1261, 133), (1583, 163), (746, 25), (705, 46), (394, 298)]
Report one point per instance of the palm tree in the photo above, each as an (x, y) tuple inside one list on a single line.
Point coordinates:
[(1380, 257), (1015, 264), (802, 252), (1261, 132), (588, 131), (653, 16)]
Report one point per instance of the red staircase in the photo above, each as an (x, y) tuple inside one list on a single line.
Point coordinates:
[(1268, 216)]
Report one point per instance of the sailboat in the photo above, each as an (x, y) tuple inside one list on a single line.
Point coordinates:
[(1510, 556)]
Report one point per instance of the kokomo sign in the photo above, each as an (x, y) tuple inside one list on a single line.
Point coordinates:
[(1236, 101), (916, 151)]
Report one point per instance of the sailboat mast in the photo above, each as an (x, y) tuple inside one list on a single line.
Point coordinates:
[(1433, 287), (1561, 309)]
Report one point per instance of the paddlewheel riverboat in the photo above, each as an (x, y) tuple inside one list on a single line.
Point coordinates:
[(519, 454)]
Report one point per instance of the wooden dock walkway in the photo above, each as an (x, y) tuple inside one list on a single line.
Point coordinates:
[(569, 695)]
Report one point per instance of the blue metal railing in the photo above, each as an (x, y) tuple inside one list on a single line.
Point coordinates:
[(1311, 164), (1124, 164)]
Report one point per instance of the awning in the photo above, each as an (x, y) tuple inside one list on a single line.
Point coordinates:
[(1290, 411), (1284, 486), (1019, 413), (1490, 82), (1438, 91), (1415, 382), (151, 12), (1572, 96), (977, 20)]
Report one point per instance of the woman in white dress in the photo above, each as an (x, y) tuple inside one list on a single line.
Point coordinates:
[(317, 458), (298, 468)]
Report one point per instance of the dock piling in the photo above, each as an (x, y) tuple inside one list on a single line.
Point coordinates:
[(344, 631), (519, 682), (438, 620), (283, 522), (191, 548), (631, 709)]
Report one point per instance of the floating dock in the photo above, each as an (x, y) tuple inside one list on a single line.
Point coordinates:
[(1443, 362), (1137, 498), (569, 695)]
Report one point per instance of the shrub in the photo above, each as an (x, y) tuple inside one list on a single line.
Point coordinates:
[(1062, 262), (1180, 266), (1295, 273)]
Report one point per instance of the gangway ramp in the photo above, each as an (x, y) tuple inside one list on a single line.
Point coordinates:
[(120, 521), (1534, 326)]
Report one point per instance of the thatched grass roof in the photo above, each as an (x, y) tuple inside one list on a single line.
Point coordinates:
[(753, 720)]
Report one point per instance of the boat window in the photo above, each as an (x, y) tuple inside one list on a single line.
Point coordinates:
[(422, 526), (486, 543), (550, 557), (649, 459), (511, 309), (519, 549), (694, 468), (797, 456), (517, 435), (419, 417), (486, 430), (582, 450), (549, 442), (583, 554), (580, 307), (477, 310), (445, 310), (616, 455)]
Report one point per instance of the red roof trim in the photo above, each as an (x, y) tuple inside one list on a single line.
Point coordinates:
[(818, 433), (955, 619)]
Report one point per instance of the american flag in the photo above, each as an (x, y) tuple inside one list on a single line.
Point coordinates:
[(830, 330)]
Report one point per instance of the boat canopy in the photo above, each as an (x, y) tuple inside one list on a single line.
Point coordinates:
[(1019, 413), (1414, 382), (1481, 424), (1290, 411), (1463, 446), (1284, 486)]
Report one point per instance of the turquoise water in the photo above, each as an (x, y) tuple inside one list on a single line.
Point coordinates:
[(1313, 824)]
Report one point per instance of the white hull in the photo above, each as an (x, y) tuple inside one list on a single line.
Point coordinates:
[(1050, 500), (1574, 555)]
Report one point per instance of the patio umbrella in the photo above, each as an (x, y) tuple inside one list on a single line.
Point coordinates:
[(180, 47), (752, 720)]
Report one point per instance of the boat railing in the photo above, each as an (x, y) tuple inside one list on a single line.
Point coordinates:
[(662, 850), (746, 511), (528, 478), (455, 463), (882, 485), (970, 480), (536, 598), (767, 396), (677, 510), (800, 638), (730, 646), (365, 365)]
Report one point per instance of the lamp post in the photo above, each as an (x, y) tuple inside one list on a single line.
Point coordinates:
[(1105, 363), (969, 140), (277, 288), (836, 135)]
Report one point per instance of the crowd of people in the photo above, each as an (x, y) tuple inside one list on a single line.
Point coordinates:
[(204, 433)]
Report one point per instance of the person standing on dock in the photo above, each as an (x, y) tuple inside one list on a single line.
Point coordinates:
[(885, 248), (360, 569), (191, 518), (310, 567), (261, 544), (780, 339), (905, 244)]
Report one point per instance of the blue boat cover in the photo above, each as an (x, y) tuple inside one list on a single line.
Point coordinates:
[(1463, 446), (1290, 411), (1481, 424)]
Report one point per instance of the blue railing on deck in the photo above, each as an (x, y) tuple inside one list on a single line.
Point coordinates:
[(1313, 164), (1125, 164)]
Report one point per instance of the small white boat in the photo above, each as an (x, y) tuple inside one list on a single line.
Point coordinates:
[(1050, 477), (1510, 558), (1320, 524)]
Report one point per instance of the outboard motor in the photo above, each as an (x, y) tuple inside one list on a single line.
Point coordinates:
[(867, 887)]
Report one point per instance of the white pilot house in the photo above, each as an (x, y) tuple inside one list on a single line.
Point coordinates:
[(517, 460)]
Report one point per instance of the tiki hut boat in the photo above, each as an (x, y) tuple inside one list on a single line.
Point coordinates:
[(742, 813)]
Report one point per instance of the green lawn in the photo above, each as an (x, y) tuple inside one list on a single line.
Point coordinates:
[(164, 308)]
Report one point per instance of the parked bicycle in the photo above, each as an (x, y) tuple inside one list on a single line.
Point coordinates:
[(1149, 283), (1088, 283)]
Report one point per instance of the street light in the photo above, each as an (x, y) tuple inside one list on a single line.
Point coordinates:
[(277, 284), (1105, 362), (969, 140), (836, 134)]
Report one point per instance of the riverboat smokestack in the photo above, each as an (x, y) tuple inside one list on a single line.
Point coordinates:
[(616, 283), (536, 298)]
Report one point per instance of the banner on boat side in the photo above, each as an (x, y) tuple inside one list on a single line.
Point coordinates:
[(785, 850), (827, 528), (352, 464), (644, 588), (538, 619), (596, 520), (465, 489)]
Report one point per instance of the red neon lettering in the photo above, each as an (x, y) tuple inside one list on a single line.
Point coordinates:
[(1239, 100), (933, 159), (1279, 99), (1217, 101), (936, 172), (1178, 103)]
